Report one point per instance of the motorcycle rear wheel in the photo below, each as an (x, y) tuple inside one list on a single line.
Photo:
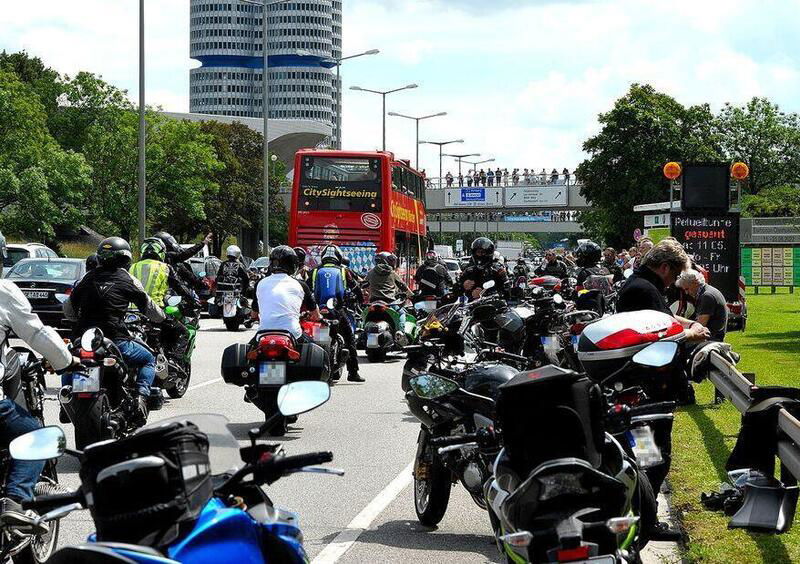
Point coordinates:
[(232, 323), (376, 355), (431, 494), (90, 425), (181, 386)]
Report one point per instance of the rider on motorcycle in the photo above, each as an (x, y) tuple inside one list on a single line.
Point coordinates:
[(521, 268), (303, 272), (594, 281), (383, 282), (177, 255), (432, 277), (158, 278), (333, 280), (481, 268), (552, 266), (232, 272), (101, 299), (17, 316)]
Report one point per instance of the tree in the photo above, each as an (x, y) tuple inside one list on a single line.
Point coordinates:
[(40, 183), (644, 130), (44, 81), (765, 138), (773, 201)]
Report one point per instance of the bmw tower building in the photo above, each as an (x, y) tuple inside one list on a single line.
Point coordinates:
[(305, 40)]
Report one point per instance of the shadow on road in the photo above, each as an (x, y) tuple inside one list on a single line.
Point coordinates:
[(239, 430), (408, 535)]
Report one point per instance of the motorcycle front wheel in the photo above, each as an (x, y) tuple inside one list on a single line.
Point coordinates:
[(41, 547), (180, 387), (431, 483)]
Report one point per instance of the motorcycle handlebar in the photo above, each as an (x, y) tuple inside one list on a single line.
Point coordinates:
[(289, 463), (453, 440), (653, 408), (46, 503)]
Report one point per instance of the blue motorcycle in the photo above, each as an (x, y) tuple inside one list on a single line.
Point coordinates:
[(238, 524)]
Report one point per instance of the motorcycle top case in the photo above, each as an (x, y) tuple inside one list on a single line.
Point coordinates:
[(148, 488), (234, 367), (550, 413), (607, 344)]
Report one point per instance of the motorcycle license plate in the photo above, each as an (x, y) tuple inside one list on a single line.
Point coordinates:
[(322, 335), (272, 374), (372, 341), (229, 310), (644, 447), (607, 559), (86, 382), (33, 295)]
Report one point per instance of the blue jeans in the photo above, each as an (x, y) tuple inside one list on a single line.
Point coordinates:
[(22, 475), (135, 354)]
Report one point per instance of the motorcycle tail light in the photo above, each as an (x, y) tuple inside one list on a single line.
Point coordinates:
[(572, 554), (577, 328), (109, 361), (86, 354), (735, 309), (274, 347)]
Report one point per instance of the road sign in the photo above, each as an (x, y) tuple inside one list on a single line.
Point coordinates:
[(536, 196), (460, 245), (473, 198), (656, 220), (637, 234)]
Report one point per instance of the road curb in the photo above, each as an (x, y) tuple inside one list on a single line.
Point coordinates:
[(663, 552)]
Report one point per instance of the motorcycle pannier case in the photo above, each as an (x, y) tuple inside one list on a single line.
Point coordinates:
[(550, 413), (606, 345), (313, 364), (148, 488), (234, 364)]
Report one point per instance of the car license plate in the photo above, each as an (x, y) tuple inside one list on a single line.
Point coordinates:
[(322, 334), (372, 341), (34, 295), (86, 382), (644, 447), (272, 374)]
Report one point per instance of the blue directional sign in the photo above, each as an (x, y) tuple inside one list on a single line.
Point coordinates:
[(473, 194)]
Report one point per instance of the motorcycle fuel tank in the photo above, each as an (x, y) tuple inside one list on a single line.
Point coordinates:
[(484, 379)]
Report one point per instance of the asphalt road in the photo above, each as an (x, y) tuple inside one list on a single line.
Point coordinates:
[(365, 516)]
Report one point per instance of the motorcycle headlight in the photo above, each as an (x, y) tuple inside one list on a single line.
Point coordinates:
[(131, 318)]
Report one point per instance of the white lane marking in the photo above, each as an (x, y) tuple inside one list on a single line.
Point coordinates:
[(203, 384), (347, 538)]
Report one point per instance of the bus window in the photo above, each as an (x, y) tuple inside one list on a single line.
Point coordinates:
[(340, 184), (397, 178)]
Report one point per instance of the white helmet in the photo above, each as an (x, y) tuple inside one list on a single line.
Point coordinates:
[(234, 251)]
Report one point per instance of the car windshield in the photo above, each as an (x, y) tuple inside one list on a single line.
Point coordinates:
[(13, 256), (451, 265), (46, 270), (260, 262)]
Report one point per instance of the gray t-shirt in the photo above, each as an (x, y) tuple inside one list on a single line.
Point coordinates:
[(710, 301)]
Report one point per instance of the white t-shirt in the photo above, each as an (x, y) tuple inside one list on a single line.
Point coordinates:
[(280, 300)]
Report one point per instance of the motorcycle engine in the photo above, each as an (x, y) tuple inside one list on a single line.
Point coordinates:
[(162, 367), (473, 478)]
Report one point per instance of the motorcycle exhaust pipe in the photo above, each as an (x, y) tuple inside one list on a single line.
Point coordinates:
[(401, 339)]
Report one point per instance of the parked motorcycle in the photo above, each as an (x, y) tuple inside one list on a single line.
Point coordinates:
[(229, 518), (173, 370), (271, 359), (101, 397)]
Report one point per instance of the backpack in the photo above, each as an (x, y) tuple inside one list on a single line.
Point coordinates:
[(329, 282)]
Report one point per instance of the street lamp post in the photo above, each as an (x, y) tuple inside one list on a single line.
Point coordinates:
[(459, 158), (417, 120), (440, 144), (338, 62), (474, 165), (142, 165), (383, 94)]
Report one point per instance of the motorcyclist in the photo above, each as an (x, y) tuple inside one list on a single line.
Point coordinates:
[(552, 266), (593, 279), (432, 277), (383, 282), (481, 268), (177, 255), (521, 268), (303, 272), (17, 317), (610, 262), (332, 280), (158, 278), (232, 272), (101, 299)]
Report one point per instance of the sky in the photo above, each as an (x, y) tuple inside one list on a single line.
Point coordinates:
[(522, 81)]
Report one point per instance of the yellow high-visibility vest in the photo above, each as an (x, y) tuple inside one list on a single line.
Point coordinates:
[(154, 276)]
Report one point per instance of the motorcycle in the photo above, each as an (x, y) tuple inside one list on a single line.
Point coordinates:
[(237, 520), (173, 371), (235, 307), (25, 385), (101, 397), (387, 327), (273, 358), (325, 334)]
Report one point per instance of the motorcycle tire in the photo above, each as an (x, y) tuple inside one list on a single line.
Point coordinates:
[(89, 426), (267, 402), (645, 505), (181, 386), (232, 323), (376, 355), (432, 495), (42, 547)]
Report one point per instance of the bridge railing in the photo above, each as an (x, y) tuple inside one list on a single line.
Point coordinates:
[(433, 183)]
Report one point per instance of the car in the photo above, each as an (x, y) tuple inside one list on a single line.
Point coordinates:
[(48, 283), (15, 252), (260, 265), (206, 270), (201, 254), (453, 269)]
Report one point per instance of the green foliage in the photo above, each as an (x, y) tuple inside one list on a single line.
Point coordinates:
[(774, 201), (43, 80)]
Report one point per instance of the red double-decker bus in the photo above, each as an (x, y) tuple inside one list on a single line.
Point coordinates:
[(365, 202)]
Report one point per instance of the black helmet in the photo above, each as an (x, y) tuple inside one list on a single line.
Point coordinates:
[(483, 250), (345, 261), (331, 255), (301, 255), (431, 258), (588, 254), (386, 257), (283, 259), (91, 263), (114, 252), (169, 241)]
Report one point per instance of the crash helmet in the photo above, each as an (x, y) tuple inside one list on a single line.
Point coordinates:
[(483, 250), (588, 254), (385, 257), (283, 258), (301, 255), (170, 244), (331, 255), (235, 252), (154, 248), (91, 262), (345, 261), (114, 252), (431, 258)]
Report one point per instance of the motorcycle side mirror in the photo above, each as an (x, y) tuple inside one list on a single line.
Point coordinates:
[(92, 339), (211, 300), (431, 386), (628, 273), (300, 397), (656, 354), (557, 299), (488, 285), (174, 301), (41, 444), (330, 303)]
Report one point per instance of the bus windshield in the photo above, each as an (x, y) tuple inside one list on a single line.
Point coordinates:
[(340, 184)]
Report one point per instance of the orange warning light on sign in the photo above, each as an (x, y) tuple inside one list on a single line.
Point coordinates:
[(740, 171), (672, 170)]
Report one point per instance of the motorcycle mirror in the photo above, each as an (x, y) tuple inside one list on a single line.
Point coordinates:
[(211, 301), (488, 285), (300, 397), (656, 354), (557, 299), (431, 386), (330, 303), (628, 273), (174, 301), (91, 339), (41, 444)]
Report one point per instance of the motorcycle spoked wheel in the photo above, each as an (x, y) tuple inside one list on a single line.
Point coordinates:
[(432, 483), (41, 547)]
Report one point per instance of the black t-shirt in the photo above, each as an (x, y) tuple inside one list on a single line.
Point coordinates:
[(710, 301), (643, 290)]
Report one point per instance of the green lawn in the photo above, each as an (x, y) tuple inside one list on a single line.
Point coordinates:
[(705, 434)]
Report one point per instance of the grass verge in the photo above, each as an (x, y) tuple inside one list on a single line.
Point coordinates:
[(704, 435)]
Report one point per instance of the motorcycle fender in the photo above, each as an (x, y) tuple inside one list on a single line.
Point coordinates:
[(79, 408)]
